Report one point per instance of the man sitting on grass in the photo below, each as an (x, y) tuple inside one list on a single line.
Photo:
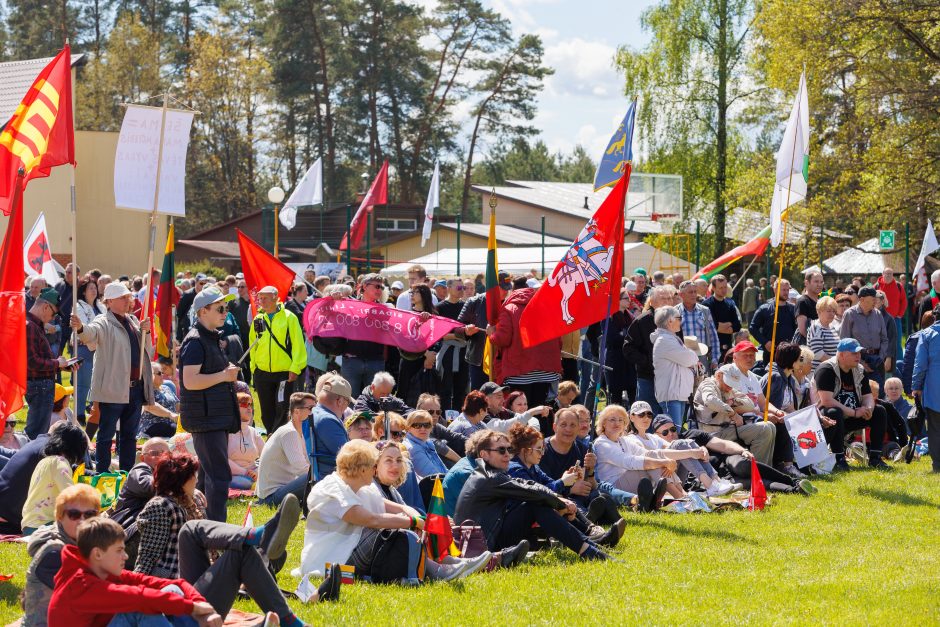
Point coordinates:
[(92, 589)]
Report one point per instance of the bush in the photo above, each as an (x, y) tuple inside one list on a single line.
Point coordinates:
[(203, 265)]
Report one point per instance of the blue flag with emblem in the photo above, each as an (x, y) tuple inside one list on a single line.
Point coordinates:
[(618, 153)]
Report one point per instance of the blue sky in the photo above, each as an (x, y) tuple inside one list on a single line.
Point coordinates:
[(583, 102)]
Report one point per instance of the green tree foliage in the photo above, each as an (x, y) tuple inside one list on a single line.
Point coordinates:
[(872, 70), (690, 80), (39, 28)]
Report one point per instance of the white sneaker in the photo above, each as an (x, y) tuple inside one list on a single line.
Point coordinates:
[(719, 487), (449, 572), (474, 564), (271, 620)]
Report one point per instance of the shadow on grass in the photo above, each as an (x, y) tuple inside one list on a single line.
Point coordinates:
[(9, 594), (896, 498), (714, 534)]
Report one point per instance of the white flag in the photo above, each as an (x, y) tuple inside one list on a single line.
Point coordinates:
[(135, 161), (309, 191), (434, 200), (792, 163), (930, 245), (37, 253)]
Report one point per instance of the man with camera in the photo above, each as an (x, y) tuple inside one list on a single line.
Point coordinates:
[(278, 357), (377, 397)]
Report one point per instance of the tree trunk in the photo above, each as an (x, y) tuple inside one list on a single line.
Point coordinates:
[(327, 134), (721, 140)]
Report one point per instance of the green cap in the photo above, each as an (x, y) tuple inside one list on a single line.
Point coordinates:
[(50, 296), (640, 271)]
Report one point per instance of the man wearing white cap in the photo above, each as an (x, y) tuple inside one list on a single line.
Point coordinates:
[(208, 406), (121, 382), (277, 359)]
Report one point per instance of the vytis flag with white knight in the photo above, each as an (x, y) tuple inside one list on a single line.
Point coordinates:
[(585, 285)]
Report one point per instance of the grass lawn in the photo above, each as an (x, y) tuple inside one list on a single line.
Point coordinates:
[(863, 551)]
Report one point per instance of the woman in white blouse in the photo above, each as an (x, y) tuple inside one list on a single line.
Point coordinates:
[(87, 309), (624, 463)]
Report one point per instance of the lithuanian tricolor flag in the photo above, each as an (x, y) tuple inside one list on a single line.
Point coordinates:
[(440, 537), (756, 247), (167, 297), (493, 300)]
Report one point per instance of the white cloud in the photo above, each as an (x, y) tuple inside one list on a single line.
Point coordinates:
[(583, 68)]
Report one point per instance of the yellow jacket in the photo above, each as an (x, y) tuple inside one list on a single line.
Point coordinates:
[(266, 355)]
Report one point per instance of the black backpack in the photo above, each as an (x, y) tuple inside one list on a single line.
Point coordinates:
[(390, 557)]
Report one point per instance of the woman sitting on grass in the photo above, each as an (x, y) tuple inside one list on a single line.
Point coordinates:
[(529, 445), (244, 447), (160, 419), (176, 541), (73, 505), (348, 514), (66, 447), (390, 473), (692, 458)]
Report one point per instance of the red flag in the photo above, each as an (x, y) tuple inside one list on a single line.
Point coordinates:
[(378, 195), (261, 268), (585, 285), (40, 135), (13, 309), (758, 493)]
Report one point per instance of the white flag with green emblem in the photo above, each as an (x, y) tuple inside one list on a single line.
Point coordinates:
[(792, 163)]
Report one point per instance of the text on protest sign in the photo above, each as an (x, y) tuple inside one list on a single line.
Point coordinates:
[(370, 322), (135, 164)]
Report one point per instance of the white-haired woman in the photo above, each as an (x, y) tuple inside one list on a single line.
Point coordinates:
[(674, 364)]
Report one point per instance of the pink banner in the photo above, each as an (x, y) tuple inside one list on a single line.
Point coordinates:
[(356, 320)]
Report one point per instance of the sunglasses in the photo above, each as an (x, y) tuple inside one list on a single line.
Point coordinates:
[(538, 449), (246, 404), (77, 514), (434, 412), (503, 450), (421, 425), (645, 414), (668, 431), (219, 309), (459, 288), (397, 434), (11, 423)]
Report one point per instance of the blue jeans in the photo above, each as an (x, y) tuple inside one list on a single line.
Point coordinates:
[(295, 487), (241, 482), (621, 497), (83, 379), (676, 411), (646, 391), (40, 396), (359, 372), (139, 619), (128, 415)]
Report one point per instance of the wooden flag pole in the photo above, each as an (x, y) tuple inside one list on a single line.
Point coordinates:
[(74, 259), (153, 234), (783, 247)]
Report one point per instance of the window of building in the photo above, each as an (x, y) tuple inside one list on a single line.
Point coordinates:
[(401, 224)]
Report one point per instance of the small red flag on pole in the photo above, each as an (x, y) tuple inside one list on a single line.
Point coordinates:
[(758, 493)]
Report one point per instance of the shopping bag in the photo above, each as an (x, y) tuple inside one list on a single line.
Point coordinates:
[(108, 484)]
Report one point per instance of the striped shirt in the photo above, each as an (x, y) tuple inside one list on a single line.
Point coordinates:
[(535, 376), (699, 323), (820, 338)]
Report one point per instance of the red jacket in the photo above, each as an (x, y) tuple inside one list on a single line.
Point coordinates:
[(513, 359), (82, 599), (897, 299)]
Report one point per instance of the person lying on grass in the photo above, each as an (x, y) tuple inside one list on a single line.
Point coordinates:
[(73, 505), (176, 540), (529, 445), (506, 508)]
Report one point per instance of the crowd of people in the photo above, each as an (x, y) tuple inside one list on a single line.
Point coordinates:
[(540, 446)]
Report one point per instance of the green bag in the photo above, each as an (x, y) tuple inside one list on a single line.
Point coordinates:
[(108, 484)]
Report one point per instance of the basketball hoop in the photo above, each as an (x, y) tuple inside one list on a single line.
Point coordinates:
[(665, 218)]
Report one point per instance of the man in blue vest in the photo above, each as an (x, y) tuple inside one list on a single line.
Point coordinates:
[(208, 405)]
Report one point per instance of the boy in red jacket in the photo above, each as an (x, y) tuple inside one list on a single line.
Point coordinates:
[(92, 589)]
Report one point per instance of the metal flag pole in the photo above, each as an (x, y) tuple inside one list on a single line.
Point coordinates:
[(74, 264), (153, 233)]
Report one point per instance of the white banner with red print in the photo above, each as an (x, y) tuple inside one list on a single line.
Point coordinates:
[(806, 436)]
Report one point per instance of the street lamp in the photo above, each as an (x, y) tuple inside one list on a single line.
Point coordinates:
[(276, 197)]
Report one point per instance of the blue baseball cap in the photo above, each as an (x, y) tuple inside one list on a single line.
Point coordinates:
[(849, 345), (440, 283)]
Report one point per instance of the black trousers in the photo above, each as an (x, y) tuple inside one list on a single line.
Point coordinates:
[(783, 446), (835, 435), (239, 564), (273, 413), (535, 393), (454, 383), (773, 479), (517, 526), (215, 475)]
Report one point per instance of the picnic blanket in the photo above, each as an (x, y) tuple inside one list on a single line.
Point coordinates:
[(11, 537), (235, 618), (234, 494)]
